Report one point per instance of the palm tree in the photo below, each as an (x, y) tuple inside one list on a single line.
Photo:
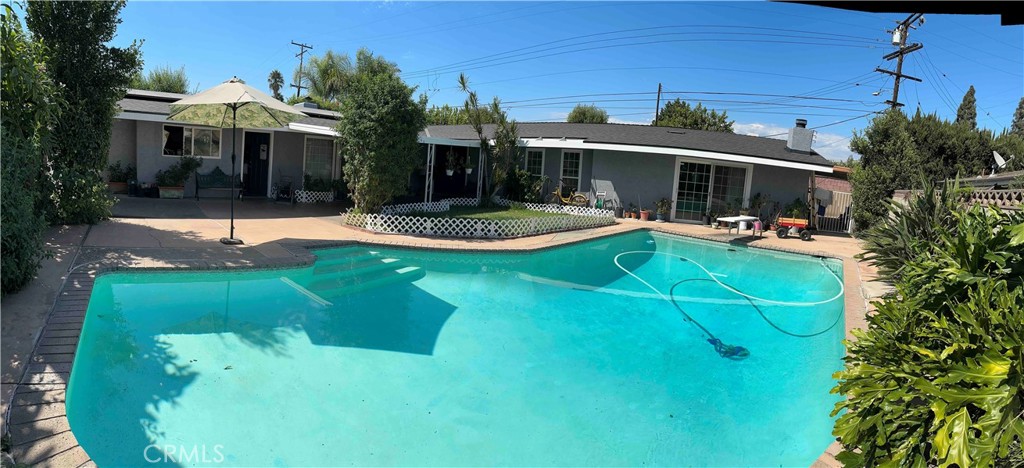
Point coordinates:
[(276, 82), (325, 75)]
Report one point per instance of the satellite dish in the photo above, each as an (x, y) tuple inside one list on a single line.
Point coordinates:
[(1000, 162)]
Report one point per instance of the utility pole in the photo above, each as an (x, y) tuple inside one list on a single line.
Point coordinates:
[(657, 106), (899, 39), (302, 51)]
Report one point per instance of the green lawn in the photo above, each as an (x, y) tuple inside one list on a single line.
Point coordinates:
[(497, 213)]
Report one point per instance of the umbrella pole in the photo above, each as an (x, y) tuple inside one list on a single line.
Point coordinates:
[(234, 134)]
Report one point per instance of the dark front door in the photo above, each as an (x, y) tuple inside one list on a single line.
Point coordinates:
[(257, 163)]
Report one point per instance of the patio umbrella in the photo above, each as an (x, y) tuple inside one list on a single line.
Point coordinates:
[(233, 104)]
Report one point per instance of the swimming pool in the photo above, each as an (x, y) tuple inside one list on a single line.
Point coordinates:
[(570, 356)]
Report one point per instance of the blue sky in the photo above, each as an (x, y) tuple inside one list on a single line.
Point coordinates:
[(616, 51)]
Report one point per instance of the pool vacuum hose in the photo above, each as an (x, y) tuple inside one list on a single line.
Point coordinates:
[(734, 352)]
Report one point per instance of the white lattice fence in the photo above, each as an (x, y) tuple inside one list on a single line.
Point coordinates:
[(446, 204), (473, 228), (308, 196)]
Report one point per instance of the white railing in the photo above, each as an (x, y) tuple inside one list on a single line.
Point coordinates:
[(838, 214), (309, 196), (394, 219)]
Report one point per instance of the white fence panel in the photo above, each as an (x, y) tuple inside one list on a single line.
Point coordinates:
[(838, 215)]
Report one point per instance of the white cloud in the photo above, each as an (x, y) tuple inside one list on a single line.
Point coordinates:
[(830, 145), (631, 122)]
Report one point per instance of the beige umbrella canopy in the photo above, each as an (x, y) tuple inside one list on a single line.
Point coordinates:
[(233, 104)]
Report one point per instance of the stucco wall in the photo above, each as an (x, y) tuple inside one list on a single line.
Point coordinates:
[(150, 159), (122, 142), (626, 176), (782, 184), (288, 148), (553, 168)]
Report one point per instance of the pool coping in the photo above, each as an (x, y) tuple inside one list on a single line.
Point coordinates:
[(37, 416)]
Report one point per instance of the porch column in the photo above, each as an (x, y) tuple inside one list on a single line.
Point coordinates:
[(428, 187), (480, 174)]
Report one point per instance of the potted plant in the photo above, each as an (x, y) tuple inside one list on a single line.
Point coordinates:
[(632, 211), (645, 214), (118, 177), (470, 165), (171, 181), (663, 206), (618, 209), (707, 217), (452, 164), (315, 190)]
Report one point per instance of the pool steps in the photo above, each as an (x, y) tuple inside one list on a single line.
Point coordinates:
[(340, 273)]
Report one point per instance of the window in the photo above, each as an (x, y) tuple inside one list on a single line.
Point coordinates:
[(571, 162), (319, 158), (191, 141), (727, 189), (535, 162)]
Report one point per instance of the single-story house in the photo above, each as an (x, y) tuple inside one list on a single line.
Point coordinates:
[(143, 137), (619, 164), (640, 164)]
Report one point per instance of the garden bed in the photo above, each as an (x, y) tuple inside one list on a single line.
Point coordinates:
[(462, 218)]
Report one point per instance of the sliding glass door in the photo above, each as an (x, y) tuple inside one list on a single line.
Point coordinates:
[(707, 186), (692, 190)]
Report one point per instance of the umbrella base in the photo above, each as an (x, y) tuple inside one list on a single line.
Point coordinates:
[(230, 241)]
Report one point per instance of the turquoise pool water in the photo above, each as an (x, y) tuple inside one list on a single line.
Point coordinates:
[(401, 357)]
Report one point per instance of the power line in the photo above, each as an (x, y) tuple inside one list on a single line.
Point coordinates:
[(506, 54), (829, 124), (724, 93), (443, 71), (900, 41)]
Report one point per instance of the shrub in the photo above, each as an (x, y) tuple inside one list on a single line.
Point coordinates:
[(178, 173), (30, 108), (118, 173), (937, 378)]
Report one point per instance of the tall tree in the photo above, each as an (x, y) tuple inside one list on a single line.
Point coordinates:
[(1017, 127), (378, 129), (587, 113), (967, 113), (887, 163), (503, 155), (449, 115), (946, 149), (325, 75), (92, 76), (275, 81), (678, 113), (164, 79), (29, 110)]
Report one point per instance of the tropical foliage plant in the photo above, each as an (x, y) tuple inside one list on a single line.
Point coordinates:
[(91, 76), (378, 129), (937, 378), (587, 113), (680, 114), (178, 172), (275, 81), (505, 153), (30, 109), (325, 76)]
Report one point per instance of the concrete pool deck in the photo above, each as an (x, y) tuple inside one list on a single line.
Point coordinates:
[(41, 324)]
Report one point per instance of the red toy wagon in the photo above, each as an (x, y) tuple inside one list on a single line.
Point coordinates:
[(794, 226)]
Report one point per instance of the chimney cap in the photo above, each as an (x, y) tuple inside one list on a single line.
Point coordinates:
[(801, 123)]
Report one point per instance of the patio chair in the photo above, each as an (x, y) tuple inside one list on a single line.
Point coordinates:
[(283, 190)]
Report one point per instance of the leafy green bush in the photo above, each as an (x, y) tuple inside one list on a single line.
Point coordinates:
[(78, 196), (120, 173), (178, 173), (937, 379), (30, 107)]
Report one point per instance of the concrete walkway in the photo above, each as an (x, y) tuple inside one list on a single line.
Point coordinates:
[(169, 233)]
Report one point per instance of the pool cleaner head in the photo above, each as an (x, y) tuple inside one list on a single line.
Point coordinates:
[(736, 353)]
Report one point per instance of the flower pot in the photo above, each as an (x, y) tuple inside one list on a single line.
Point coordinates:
[(631, 215), (661, 217), (117, 187), (172, 192), (450, 172), (469, 170), (645, 215), (618, 212)]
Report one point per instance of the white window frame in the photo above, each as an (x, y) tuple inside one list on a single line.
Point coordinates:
[(526, 160), (711, 186), (334, 154), (579, 168), (220, 146)]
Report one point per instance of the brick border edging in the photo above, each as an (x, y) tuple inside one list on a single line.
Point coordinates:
[(37, 416)]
